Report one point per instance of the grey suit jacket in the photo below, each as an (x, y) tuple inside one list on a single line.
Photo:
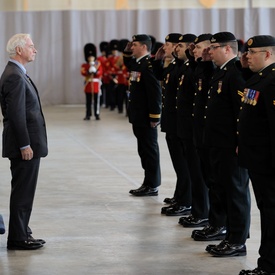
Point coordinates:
[(23, 121)]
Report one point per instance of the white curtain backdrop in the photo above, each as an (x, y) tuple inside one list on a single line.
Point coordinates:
[(59, 37)]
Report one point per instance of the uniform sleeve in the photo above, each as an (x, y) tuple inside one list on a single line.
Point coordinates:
[(153, 89)]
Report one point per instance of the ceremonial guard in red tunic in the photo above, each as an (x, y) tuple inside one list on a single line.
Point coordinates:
[(92, 71)]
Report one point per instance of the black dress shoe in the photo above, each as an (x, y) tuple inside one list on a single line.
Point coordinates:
[(194, 222), (220, 245), (86, 118), (2, 225), (211, 234), (178, 210), (23, 245), (169, 200), (145, 191), (135, 190), (165, 208), (32, 239), (201, 231), (229, 250), (256, 271)]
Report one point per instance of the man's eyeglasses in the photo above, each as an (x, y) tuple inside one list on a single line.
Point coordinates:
[(253, 52), (215, 47)]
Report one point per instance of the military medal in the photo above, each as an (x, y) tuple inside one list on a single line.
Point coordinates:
[(200, 84), (250, 96), (167, 78), (181, 79), (135, 76), (219, 87)]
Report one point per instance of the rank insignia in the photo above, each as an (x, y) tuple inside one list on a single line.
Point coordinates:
[(200, 84), (135, 76), (219, 87), (250, 96), (273, 102)]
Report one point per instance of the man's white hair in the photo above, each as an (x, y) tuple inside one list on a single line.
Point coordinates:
[(18, 40)]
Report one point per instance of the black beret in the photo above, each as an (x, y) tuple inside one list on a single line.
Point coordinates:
[(203, 37), (173, 37), (261, 41), (141, 37), (114, 44), (222, 37), (187, 38), (89, 50)]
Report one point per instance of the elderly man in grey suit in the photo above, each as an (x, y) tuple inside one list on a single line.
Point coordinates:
[(24, 139)]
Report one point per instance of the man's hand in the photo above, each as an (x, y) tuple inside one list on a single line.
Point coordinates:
[(128, 47), (27, 153), (244, 60), (160, 54), (205, 55)]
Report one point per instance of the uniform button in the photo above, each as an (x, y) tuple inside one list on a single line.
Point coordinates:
[(195, 94), (241, 108), (238, 119), (194, 104), (205, 107), (192, 114), (208, 96), (237, 133), (204, 117)]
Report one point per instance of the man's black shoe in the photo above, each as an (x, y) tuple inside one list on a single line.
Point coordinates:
[(2, 225), (145, 191), (135, 190), (23, 245), (165, 208), (169, 200), (220, 245), (256, 271), (178, 210), (211, 234), (32, 239), (194, 222), (201, 231), (229, 250)]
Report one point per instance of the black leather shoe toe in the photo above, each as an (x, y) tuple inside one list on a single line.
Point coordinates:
[(169, 200), (256, 271), (194, 222), (135, 190), (200, 231), (145, 191), (23, 245), (211, 234), (229, 250), (165, 208), (178, 210), (220, 245), (32, 239)]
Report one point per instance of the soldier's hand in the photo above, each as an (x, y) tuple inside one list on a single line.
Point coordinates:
[(205, 55), (244, 60), (27, 153), (160, 54), (92, 69), (128, 47), (191, 48)]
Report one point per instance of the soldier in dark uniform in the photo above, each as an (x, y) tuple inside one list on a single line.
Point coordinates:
[(184, 106), (230, 190), (257, 142), (203, 70), (144, 110), (169, 76)]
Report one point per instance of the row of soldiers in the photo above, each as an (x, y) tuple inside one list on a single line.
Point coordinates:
[(218, 114), (106, 77)]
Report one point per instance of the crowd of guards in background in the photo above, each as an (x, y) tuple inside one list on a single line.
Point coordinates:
[(218, 116)]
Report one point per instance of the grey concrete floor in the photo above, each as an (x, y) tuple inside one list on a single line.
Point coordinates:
[(91, 223)]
